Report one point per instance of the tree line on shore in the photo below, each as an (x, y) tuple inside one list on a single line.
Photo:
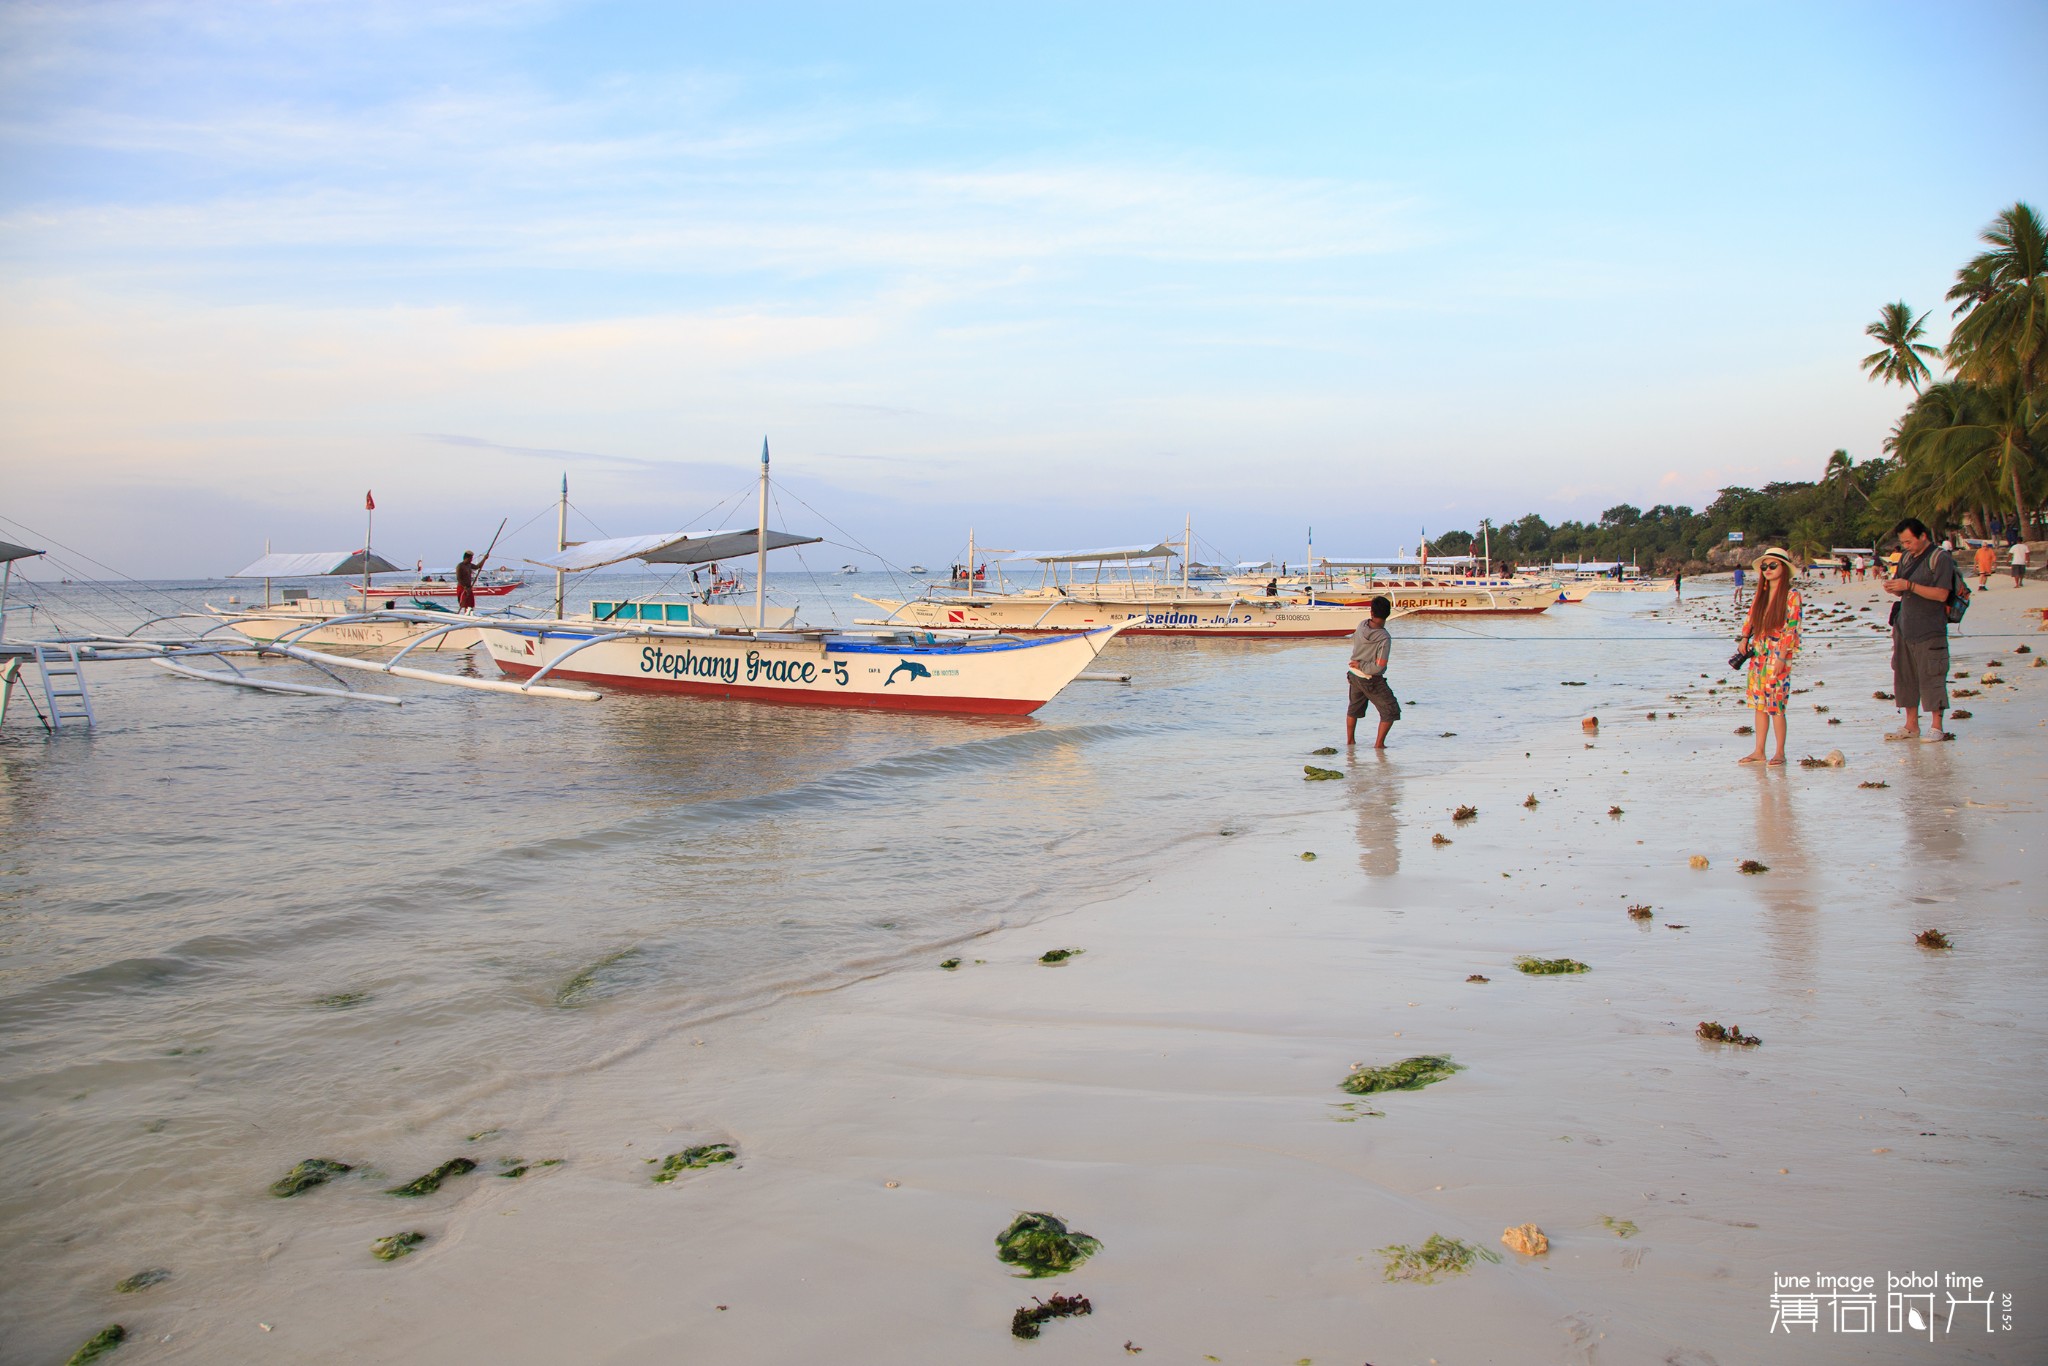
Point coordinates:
[(1968, 455)]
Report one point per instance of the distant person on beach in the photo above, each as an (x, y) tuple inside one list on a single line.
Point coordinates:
[(1923, 583), (2019, 563), (1771, 638), (1987, 560), (1862, 567), (1678, 583), (1367, 674), (1738, 585), (465, 582)]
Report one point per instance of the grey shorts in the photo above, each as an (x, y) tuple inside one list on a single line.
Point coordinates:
[(1920, 673), (1375, 691)]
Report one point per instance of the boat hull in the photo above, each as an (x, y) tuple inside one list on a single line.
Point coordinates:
[(986, 678), (1245, 619), (267, 626)]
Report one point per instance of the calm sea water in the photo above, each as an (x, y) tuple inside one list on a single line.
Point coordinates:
[(237, 928)]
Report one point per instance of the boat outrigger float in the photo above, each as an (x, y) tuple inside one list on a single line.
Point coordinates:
[(712, 650)]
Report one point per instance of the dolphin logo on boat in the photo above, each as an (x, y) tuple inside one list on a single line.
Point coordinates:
[(906, 666)]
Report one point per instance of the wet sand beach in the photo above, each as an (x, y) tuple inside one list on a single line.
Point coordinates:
[(1173, 1089)]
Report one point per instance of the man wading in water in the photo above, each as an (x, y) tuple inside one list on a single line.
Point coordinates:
[(1367, 674), (465, 583)]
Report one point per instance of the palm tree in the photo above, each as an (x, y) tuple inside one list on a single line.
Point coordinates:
[(1898, 361), (1960, 444), (2001, 296)]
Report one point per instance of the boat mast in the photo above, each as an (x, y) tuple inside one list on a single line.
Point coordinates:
[(369, 524), (761, 548), (561, 543), (1187, 551), (970, 562), (266, 582)]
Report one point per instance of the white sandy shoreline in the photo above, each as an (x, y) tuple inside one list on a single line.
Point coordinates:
[(1173, 1092)]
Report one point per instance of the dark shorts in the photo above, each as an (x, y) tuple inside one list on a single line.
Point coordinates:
[(1376, 692), (2019, 573), (1920, 673)]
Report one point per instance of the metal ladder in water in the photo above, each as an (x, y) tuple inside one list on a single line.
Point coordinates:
[(63, 686)]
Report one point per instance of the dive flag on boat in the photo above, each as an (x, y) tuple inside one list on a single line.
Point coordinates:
[(370, 501)]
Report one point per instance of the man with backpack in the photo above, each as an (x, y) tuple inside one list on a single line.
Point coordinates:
[(1930, 594)]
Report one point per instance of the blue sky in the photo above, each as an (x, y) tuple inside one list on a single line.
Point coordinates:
[(1064, 273)]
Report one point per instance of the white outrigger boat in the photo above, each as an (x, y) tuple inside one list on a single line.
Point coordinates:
[(711, 650), (351, 621), (1155, 606), (1434, 585)]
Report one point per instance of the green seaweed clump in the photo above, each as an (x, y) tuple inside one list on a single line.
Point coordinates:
[(1308, 856), (1054, 957), (431, 1182), (950, 964), (341, 1000), (1409, 1074), (576, 988), (1750, 865), (397, 1245), (1043, 1246), (98, 1345), (1639, 913), (1549, 967), (314, 1171), (1319, 775), (694, 1159), (1713, 1032), (1933, 939), (143, 1280), (1326, 749), (1438, 1256), (1622, 1228), (1024, 1323)]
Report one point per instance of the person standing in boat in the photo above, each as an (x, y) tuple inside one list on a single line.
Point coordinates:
[(465, 582), (1367, 674)]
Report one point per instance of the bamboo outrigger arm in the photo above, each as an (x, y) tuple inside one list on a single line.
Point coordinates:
[(284, 645)]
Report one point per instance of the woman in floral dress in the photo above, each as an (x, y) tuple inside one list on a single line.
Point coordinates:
[(1772, 636)]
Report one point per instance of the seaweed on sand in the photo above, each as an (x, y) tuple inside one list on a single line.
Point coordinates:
[(1959, 715), (1043, 1245), (143, 1280), (1025, 1322), (1465, 813), (431, 1182), (576, 988), (693, 1160), (1409, 1074), (1810, 762), (1549, 967), (1326, 749), (314, 1171), (390, 1249), (1438, 1256), (98, 1345), (1745, 730), (1621, 1228), (1750, 865), (1319, 775), (1615, 812), (1531, 802), (1478, 977), (1308, 856), (341, 1000), (950, 964), (1439, 838), (1873, 784), (1713, 1032), (1639, 912), (1933, 939), (1052, 958)]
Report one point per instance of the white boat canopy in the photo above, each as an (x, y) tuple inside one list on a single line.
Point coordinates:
[(1249, 565), (1852, 550), (1396, 561), (9, 552), (318, 564), (1115, 552), (668, 547), (1588, 566)]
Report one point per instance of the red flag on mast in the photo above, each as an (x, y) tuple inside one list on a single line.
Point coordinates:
[(370, 502)]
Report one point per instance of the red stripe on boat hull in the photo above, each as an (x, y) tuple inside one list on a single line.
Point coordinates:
[(966, 706)]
